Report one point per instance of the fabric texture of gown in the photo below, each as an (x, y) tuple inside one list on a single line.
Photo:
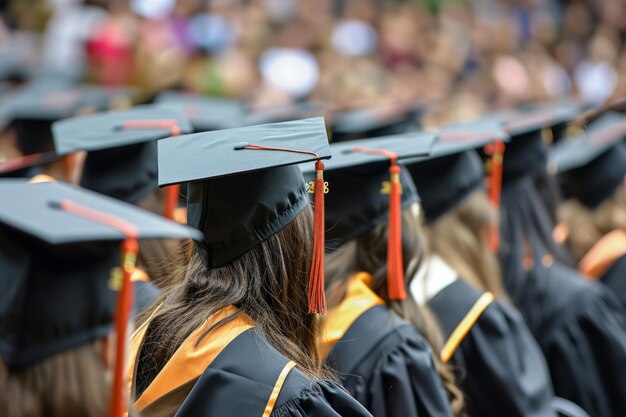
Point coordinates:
[(381, 359), (499, 365), (235, 372), (579, 325)]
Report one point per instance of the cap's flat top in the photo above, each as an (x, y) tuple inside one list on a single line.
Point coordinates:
[(520, 122), (406, 145), (108, 130), (54, 101), (219, 153), (205, 111), (34, 209), (465, 136), (372, 118), (607, 131)]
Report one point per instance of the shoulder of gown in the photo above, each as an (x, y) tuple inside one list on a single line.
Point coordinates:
[(502, 369), (247, 373), (583, 337), (615, 279), (388, 367)]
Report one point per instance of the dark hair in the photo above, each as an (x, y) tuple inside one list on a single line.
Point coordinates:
[(368, 253), (70, 384), (268, 283)]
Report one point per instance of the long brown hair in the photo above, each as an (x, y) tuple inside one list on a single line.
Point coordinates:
[(369, 254), (72, 383), (586, 226), (268, 283), (460, 238), (160, 258)]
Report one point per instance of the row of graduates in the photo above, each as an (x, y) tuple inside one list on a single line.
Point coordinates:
[(419, 319)]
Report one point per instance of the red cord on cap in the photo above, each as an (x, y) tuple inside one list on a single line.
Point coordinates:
[(173, 191), (130, 247), (316, 294), (395, 263)]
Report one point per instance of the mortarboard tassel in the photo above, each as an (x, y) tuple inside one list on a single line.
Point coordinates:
[(130, 248), (496, 149), (173, 191), (395, 264), (316, 294)]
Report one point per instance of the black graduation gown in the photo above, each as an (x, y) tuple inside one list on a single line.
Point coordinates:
[(501, 368), (388, 367), (579, 325), (238, 382)]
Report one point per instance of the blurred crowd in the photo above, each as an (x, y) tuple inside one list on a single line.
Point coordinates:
[(465, 56)]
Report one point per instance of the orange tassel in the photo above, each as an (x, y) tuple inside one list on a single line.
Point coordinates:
[(317, 296), (171, 200), (130, 247), (495, 189), (395, 264), (119, 405)]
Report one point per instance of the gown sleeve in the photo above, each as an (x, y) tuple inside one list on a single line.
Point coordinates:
[(322, 399), (400, 379), (505, 370), (615, 279)]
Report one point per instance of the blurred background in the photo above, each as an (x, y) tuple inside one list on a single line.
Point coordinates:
[(466, 57)]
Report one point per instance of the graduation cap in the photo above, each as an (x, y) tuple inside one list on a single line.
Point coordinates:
[(380, 120), (592, 165), (367, 187), (297, 110), (243, 187), (59, 246), (567, 108), (205, 113), (121, 161), (34, 108), (453, 170), (527, 152)]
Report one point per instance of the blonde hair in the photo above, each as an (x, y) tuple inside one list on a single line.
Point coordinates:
[(460, 238), (586, 226)]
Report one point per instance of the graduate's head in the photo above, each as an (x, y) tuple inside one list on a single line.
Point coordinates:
[(65, 254), (369, 225), (248, 196), (591, 169), (458, 215)]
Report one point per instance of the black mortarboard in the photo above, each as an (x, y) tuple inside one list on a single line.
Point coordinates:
[(55, 284), (592, 165), (453, 170), (367, 188), (121, 161), (205, 113), (526, 153), (380, 120), (243, 185), (358, 196), (567, 107), (34, 107)]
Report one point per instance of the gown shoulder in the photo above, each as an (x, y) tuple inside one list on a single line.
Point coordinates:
[(388, 367), (497, 352)]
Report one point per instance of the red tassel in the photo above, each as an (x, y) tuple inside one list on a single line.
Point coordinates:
[(317, 296), (395, 264), (171, 200), (130, 247), (495, 189), (118, 407)]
